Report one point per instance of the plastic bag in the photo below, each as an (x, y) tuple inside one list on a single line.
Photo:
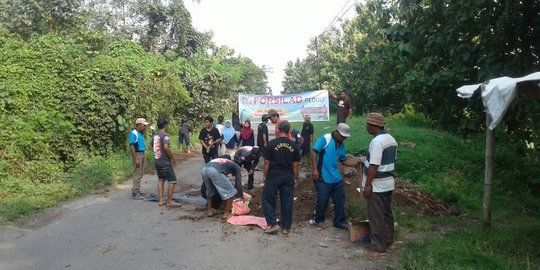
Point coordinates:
[(239, 208), (246, 198)]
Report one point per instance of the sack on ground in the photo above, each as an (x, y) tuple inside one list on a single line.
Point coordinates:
[(239, 208)]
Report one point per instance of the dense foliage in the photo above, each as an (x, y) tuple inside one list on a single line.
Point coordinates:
[(75, 74), (417, 53)]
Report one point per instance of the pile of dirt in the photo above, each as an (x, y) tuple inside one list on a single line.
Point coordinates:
[(405, 196)]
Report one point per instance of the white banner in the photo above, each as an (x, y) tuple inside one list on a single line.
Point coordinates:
[(292, 107)]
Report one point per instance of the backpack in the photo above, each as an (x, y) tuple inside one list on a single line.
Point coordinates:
[(327, 137), (298, 138)]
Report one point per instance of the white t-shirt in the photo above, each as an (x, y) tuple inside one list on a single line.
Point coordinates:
[(382, 152)]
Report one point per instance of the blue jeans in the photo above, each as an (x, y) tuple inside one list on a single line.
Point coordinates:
[(325, 191), (284, 183)]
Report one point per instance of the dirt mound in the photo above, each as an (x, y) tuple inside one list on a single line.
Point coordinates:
[(408, 195), (405, 196)]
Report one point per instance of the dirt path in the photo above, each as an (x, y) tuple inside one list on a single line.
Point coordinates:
[(111, 231)]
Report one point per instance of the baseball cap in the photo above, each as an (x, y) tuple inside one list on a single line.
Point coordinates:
[(375, 119), (272, 112), (142, 121), (344, 130)]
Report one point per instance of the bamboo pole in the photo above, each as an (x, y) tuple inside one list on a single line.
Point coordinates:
[(488, 179)]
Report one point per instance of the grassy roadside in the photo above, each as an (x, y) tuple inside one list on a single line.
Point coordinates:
[(451, 168)]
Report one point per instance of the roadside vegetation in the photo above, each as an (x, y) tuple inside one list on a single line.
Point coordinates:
[(73, 78), (451, 167)]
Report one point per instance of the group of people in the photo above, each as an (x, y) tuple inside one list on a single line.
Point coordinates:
[(280, 170)]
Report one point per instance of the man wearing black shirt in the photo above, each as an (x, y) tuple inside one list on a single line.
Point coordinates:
[(262, 133), (210, 139), (214, 175), (279, 174), (307, 134), (248, 157)]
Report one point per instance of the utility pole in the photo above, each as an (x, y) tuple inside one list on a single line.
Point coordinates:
[(318, 63)]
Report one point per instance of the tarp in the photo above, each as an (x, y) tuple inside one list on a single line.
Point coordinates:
[(497, 94), (292, 107)]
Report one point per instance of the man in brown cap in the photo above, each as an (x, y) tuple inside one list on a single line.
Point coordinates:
[(274, 118), (137, 148), (378, 184)]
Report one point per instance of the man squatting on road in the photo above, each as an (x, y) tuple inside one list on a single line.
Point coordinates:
[(214, 176)]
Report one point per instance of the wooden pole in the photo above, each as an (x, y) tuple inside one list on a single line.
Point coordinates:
[(488, 180)]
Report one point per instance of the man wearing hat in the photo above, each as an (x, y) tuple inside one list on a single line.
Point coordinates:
[(378, 184), (274, 118), (137, 148), (279, 175), (328, 151)]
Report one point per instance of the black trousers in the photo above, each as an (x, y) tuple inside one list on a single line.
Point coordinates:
[(381, 220)]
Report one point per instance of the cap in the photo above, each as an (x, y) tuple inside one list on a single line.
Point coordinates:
[(344, 130), (264, 117), (375, 119), (141, 121), (272, 112), (284, 126)]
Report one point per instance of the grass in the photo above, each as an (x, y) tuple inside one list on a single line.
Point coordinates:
[(451, 167), (20, 195)]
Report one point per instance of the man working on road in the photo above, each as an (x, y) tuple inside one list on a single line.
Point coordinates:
[(327, 153), (164, 161), (378, 184), (137, 148), (184, 135), (214, 176), (280, 173), (248, 157), (344, 106)]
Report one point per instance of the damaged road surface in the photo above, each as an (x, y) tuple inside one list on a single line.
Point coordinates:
[(111, 231)]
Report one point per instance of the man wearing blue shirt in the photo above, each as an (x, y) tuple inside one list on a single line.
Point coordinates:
[(328, 151), (137, 147)]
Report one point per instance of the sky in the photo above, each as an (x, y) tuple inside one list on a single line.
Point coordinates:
[(269, 32)]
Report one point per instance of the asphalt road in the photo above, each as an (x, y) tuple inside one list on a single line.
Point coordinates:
[(111, 231)]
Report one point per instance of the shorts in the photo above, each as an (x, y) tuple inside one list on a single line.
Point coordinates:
[(166, 173), (217, 183)]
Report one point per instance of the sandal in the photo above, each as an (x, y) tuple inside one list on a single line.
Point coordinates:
[(375, 255), (162, 203), (272, 229), (211, 213), (173, 204), (285, 232)]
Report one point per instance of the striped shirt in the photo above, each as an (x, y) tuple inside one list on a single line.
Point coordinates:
[(382, 152)]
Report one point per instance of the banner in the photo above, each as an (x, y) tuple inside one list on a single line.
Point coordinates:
[(292, 107)]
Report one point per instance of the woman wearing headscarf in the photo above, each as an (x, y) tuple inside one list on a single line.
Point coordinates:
[(229, 137), (247, 136)]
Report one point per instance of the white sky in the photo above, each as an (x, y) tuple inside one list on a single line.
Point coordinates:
[(270, 32)]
